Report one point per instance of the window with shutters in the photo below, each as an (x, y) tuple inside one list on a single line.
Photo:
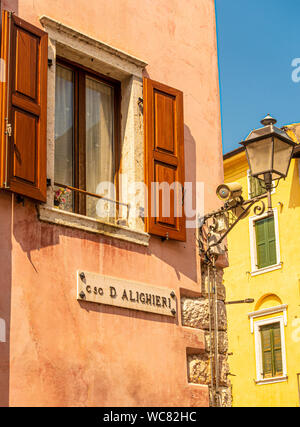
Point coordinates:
[(92, 132), (149, 154), (60, 123), (270, 347), (98, 117), (264, 243), (271, 350)]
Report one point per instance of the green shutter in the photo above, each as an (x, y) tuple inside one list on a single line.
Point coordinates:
[(256, 187), (271, 350), (266, 352), (265, 242), (261, 244), (277, 350), (271, 240)]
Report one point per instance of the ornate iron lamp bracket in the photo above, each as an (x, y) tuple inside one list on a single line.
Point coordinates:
[(211, 237)]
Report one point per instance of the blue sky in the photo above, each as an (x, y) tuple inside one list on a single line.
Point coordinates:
[(257, 42)]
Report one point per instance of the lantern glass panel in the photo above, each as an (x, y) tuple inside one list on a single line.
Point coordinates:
[(260, 156), (282, 156)]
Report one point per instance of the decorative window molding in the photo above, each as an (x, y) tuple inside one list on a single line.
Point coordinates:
[(255, 327), (266, 312), (113, 61), (253, 250), (80, 48)]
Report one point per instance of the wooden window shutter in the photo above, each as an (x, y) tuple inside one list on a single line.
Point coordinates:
[(266, 344), (164, 160), (277, 350), (259, 188), (271, 350), (261, 244), (271, 240), (252, 186), (265, 242), (24, 50), (256, 187)]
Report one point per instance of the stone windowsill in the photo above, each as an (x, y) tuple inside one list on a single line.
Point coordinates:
[(266, 269), (81, 222), (271, 380)]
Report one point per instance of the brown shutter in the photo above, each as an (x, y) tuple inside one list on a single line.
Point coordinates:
[(24, 48), (164, 160)]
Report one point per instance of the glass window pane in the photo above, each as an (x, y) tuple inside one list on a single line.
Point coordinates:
[(100, 156), (260, 156), (282, 155), (64, 134)]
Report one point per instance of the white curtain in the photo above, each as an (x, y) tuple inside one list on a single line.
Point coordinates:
[(100, 164), (64, 125)]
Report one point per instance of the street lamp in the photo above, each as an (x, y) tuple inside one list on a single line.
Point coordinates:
[(269, 151)]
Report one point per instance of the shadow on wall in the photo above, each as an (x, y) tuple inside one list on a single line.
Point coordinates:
[(182, 256), (136, 314), (30, 234), (6, 266), (33, 235)]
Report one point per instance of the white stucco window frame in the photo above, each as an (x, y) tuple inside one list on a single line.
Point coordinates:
[(255, 328), (80, 48), (253, 250)]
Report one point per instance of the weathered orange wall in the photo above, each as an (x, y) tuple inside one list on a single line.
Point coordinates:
[(60, 351)]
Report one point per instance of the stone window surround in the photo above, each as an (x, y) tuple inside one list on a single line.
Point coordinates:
[(66, 42), (255, 328), (253, 251)]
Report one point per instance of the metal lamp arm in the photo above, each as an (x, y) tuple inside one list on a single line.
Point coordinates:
[(258, 210)]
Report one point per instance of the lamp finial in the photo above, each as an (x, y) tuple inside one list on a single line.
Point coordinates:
[(268, 120)]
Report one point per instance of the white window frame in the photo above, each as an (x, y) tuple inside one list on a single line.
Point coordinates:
[(249, 185), (253, 249), (255, 328), (98, 56)]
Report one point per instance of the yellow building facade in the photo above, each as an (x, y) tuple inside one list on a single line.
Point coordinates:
[(264, 264)]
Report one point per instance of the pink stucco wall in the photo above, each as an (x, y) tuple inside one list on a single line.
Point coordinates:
[(60, 351)]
